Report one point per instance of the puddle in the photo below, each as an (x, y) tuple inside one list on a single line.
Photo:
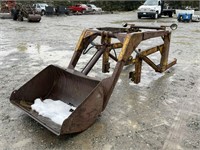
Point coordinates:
[(123, 21), (169, 101), (183, 43), (32, 48), (22, 47), (182, 37), (4, 53), (147, 76), (38, 46), (197, 30), (14, 59), (21, 29)]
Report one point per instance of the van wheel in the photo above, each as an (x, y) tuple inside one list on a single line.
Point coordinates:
[(180, 18), (42, 13), (139, 17), (83, 12), (156, 16), (14, 14), (20, 18), (170, 15)]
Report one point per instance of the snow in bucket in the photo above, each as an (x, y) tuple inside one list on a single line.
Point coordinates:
[(56, 110)]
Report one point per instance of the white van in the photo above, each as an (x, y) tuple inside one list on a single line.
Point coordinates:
[(154, 9), (40, 8)]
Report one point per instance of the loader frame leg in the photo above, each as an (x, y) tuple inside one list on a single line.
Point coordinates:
[(129, 41)]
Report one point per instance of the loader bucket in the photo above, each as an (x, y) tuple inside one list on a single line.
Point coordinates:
[(34, 18), (82, 92), (88, 95)]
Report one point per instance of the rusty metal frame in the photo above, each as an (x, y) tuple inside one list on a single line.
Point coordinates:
[(129, 39), (90, 95)]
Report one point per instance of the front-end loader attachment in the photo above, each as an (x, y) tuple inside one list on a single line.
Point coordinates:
[(25, 11), (88, 95)]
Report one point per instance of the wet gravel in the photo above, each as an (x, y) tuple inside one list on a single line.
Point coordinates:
[(162, 112)]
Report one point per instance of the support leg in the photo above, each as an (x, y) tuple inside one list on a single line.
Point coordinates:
[(136, 75), (165, 52), (105, 60)]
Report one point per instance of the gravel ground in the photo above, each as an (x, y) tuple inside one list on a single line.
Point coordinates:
[(162, 112)]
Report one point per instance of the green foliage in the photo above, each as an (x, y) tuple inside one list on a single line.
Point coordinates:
[(115, 5), (183, 4)]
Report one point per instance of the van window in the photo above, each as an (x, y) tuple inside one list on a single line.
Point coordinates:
[(151, 2)]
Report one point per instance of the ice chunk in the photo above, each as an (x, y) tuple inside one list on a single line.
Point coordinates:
[(56, 110)]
